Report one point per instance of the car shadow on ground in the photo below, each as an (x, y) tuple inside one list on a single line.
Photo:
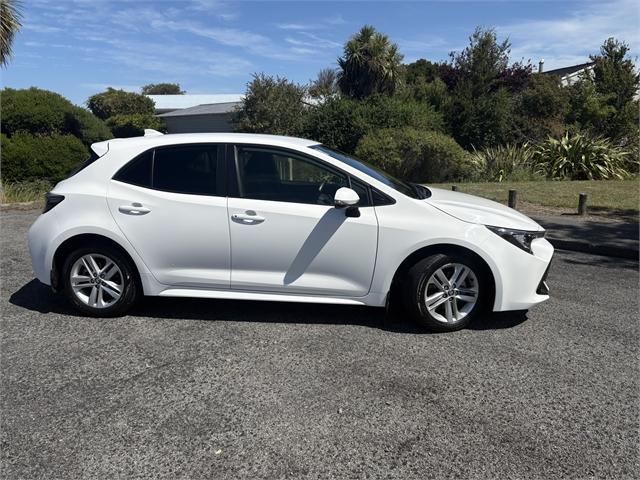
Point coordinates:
[(38, 297)]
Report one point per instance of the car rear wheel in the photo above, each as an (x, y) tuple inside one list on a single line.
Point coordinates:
[(444, 292), (100, 281)]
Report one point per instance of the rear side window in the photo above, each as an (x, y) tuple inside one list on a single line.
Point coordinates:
[(137, 171), (94, 156), (190, 169)]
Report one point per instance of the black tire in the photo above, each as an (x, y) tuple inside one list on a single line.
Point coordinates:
[(130, 291), (415, 285)]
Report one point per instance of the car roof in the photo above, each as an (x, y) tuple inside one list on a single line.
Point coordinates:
[(179, 138)]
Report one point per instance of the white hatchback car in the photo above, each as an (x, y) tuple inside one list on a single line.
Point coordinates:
[(261, 217)]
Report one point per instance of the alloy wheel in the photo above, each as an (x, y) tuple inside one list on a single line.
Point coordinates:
[(96, 280), (451, 293)]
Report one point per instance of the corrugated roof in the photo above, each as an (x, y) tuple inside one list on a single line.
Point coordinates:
[(202, 110), (174, 102)]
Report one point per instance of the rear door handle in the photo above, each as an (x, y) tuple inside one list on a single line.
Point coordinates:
[(246, 218), (134, 209)]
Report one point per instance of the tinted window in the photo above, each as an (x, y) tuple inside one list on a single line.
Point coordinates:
[(363, 192), (268, 174), (94, 156), (137, 171), (372, 171), (186, 169)]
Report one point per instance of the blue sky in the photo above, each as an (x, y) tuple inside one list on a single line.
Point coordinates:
[(79, 47)]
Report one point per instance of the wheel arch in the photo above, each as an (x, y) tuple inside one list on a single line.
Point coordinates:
[(82, 240), (442, 248)]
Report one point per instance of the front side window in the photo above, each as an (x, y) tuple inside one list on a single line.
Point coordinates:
[(411, 190), (190, 169), (269, 174)]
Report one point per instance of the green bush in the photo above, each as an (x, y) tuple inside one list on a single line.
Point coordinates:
[(272, 105), (580, 157), (341, 122), (123, 126), (118, 102), (504, 162), (41, 112), (416, 155), (27, 157)]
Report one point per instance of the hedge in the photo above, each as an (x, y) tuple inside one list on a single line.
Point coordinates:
[(341, 122), (416, 155), (41, 112), (29, 157)]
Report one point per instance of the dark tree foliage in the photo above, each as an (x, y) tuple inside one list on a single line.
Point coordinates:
[(514, 78), (118, 102), (325, 85), (616, 81), (421, 70), (370, 64), (480, 112), (162, 89)]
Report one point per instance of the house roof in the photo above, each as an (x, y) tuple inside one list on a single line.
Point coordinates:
[(207, 109), (564, 71), (175, 102)]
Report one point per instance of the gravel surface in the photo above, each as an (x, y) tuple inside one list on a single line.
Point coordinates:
[(227, 389)]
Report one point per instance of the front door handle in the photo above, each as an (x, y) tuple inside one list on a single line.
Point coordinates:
[(247, 218), (134, 209)]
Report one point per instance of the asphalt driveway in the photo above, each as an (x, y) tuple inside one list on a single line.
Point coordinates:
[(226, 389)]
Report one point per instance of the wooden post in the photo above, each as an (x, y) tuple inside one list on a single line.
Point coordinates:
[(454, 188), (513, 198), (582, 204)]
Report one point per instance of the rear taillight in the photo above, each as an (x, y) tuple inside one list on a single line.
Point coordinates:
[(51, 200)]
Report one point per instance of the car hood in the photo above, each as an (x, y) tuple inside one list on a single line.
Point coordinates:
[(472, 209)]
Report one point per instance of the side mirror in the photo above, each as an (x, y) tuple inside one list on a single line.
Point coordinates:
[(345, 197)]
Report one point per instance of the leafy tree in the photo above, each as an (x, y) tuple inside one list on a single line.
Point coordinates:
[(162, 89), (41, 112), (542, 108), (272, 105), (325, 85), (421, 70), (616, 80), (370, 64), (480, 113), (10, 16), (118, 102)]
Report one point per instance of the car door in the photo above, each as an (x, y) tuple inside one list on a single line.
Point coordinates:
[(171, 205), (286, 234)]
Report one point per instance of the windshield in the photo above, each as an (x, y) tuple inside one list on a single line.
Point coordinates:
[(410, 189)]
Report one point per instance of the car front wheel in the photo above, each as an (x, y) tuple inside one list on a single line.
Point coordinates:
[(445, 292), (100, 281)]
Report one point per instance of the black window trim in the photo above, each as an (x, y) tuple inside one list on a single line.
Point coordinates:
[(233, 187), (221, 167)]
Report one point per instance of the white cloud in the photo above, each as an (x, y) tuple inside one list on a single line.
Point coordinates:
[(570, 40)]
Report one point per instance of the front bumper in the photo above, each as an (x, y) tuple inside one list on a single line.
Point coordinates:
[(520, 277)]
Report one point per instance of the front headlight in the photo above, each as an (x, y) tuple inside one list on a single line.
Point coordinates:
[(520, 238)]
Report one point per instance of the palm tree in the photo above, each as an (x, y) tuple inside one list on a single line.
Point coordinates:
[(10, 16), (370, 64)]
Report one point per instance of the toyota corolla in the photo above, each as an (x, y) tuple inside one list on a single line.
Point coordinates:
[(261, 217)]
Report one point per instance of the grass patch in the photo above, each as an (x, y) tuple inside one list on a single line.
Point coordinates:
[(602, 195), (18, 192)]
